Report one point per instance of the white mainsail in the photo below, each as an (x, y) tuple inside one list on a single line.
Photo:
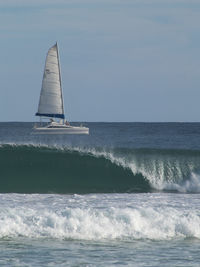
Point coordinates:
[(51, 99)]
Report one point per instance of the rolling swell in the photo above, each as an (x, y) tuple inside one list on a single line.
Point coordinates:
[(34, 169), (43, 169)]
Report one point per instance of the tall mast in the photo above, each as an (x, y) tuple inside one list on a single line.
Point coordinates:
[(60, 80)]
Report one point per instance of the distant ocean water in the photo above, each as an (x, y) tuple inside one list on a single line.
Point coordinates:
[(127, 194)]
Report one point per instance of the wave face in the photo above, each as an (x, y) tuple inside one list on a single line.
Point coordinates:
[(43, 169)]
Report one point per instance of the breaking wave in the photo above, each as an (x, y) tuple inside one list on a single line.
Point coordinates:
[(44, 169), (33, 217)]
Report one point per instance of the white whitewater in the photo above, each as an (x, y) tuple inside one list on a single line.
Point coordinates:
[(51, 99), (100, 217)]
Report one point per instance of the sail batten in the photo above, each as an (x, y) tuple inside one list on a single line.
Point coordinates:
[(51, 99)]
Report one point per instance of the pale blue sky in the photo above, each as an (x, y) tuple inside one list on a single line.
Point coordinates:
[(121, 60)]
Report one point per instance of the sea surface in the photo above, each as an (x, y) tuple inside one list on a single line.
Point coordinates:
[(125, 195)]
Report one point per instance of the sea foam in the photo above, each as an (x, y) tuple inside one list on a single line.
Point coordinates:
[(77, 218)]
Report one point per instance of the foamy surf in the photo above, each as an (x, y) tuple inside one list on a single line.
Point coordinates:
[(90, 217), (88, 228)]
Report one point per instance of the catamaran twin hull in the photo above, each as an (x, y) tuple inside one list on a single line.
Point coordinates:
[(64, 130)]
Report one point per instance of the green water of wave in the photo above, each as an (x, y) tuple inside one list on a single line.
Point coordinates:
[(43, 169), (32, 169)]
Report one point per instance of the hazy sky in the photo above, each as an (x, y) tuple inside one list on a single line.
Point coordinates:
[(121, 60)]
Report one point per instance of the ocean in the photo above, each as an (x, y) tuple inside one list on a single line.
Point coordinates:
[(125, 195)]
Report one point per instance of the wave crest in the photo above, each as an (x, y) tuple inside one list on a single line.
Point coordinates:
[(43, 169)]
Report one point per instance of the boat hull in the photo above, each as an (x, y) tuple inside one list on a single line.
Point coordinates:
[(66, 130)]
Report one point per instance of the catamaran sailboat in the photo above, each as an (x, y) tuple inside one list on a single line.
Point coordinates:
[(51, 103)]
